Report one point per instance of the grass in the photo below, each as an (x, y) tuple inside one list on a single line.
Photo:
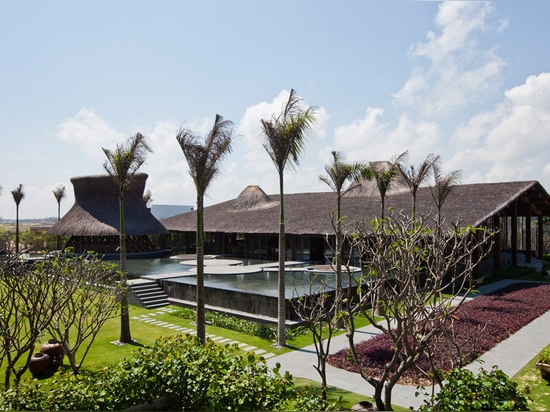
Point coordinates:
[(104, 353), (529, 376), (518, 273)]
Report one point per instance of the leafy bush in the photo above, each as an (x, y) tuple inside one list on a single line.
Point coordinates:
[(486, 391), (480, 324), (260, 330), (210, 377)]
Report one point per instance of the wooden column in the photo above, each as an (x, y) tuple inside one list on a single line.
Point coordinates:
[(528, 247), (514, 234), (496, 243), (540, 237)]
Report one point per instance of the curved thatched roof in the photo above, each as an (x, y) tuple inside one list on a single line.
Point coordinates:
[(96, 209), (308, 213)]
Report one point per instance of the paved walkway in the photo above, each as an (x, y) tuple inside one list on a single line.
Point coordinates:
[(510, 355)]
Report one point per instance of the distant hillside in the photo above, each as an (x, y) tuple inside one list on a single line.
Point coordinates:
[(30, 222)]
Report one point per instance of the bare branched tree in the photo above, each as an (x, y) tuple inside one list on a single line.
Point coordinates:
[(413, 264), (315, 308), (93, 293), (30, 297)]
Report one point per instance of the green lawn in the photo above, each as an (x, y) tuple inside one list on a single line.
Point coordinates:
[(530, 376), (104, 352)]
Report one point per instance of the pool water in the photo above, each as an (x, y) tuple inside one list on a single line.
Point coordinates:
[(298, 281)]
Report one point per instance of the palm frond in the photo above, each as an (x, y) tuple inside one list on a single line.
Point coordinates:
[(338, 172), (18, 194), (443, 184), (203, 159), (124, 161), (285, 133)]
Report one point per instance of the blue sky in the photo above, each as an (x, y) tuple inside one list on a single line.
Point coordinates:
[(469, 81)]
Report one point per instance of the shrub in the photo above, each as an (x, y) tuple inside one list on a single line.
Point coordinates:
[(210, 377), (260, 330), (486, 391)]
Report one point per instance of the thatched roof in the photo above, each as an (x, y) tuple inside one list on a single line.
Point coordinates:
[(253, 197), (308, 213), (96, 209)]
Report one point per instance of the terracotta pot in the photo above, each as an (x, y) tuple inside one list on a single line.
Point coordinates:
[(39, 364), (544, 369), (54, 349)]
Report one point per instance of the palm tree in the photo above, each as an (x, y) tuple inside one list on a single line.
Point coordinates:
[(384, 177), (443, 184), (18, 195), (416, 176), (59, 193), (122, 164), (285, 138), (202, 160), (338, 172)]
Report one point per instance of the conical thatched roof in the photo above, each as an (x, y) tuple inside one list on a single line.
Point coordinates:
[(96, 209), (253, 197)]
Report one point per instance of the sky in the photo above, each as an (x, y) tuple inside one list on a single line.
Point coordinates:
[(466, 80)]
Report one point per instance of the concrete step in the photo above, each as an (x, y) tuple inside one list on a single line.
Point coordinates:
[(149, 295)]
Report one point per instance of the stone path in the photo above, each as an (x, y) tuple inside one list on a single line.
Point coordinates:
[(150, 318)]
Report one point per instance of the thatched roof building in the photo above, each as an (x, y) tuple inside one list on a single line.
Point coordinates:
[(253, 213), (93, 221)]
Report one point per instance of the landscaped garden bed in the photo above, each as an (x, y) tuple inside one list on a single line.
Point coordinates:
[(479, 325)]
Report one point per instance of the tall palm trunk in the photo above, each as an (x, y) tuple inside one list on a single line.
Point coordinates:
[(201, 317), (17, 229), (281, 309), (338, 247), (125, 335)]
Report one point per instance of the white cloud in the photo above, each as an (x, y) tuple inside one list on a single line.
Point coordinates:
[(89, 131), (512, 141), (458, 70), (368, 139)]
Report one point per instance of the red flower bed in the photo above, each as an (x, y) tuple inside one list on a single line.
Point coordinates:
[(481, 324)]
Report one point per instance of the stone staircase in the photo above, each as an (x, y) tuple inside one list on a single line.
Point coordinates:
[(147, 294)]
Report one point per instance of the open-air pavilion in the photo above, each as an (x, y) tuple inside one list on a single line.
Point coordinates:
[(248, 226), (93, 222)]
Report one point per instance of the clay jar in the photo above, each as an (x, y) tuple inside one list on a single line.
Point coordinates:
[(54, 350), (39, 364)]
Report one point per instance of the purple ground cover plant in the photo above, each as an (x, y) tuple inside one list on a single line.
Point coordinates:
[(479, 325)]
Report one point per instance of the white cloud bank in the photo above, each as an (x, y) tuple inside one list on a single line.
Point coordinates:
[(458, 70), (511, 142)]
